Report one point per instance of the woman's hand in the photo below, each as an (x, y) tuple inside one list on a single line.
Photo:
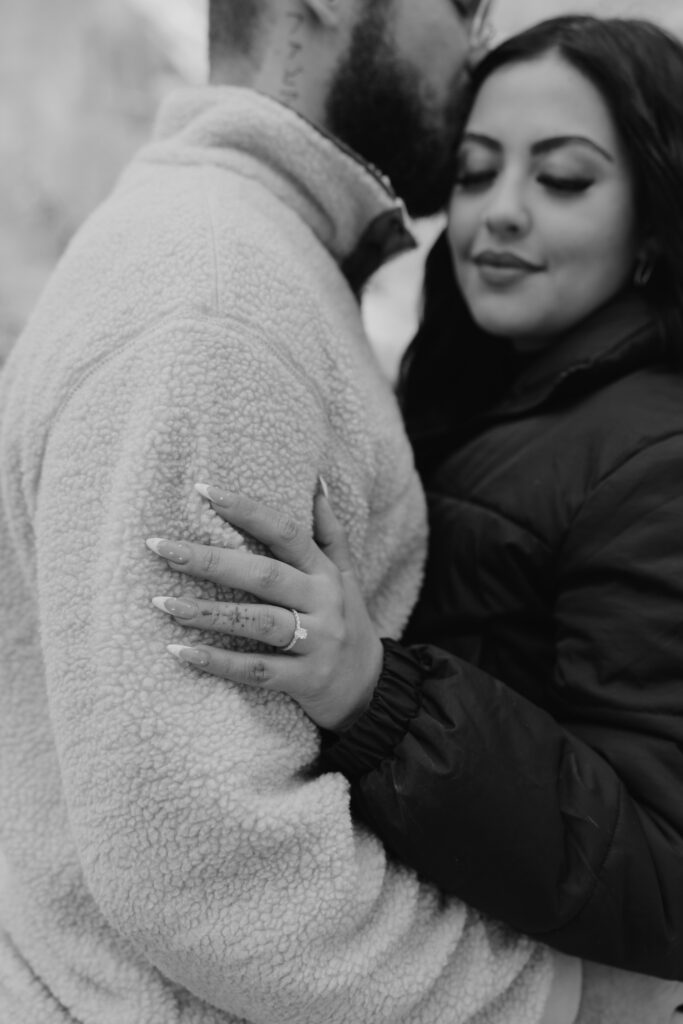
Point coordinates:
[(330, 656)]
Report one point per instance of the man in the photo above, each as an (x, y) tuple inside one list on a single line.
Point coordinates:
[(169, 858)]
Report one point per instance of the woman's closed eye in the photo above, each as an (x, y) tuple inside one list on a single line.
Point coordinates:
[(565, 185), (470, 180)]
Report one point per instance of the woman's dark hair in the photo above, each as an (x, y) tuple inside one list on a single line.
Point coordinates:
[(452, 370)]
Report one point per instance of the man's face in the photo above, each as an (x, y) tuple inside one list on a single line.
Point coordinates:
[(394, 96)]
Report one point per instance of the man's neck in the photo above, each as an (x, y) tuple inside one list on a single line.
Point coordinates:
[(295, 66)]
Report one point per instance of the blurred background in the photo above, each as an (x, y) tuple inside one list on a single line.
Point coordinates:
[(80, 81)]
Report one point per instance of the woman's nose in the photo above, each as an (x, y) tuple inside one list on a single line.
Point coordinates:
[(507, 213)]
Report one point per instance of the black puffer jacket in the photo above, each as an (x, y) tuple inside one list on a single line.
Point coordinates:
[(536, 771)]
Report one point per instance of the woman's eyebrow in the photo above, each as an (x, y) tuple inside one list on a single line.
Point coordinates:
[(543, 146), (547, 145), (482, 140)]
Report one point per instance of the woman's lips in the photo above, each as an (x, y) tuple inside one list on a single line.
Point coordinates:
[(503, 267)]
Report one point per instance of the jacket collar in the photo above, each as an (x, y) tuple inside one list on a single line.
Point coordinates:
[(615, 340), (348, 205)]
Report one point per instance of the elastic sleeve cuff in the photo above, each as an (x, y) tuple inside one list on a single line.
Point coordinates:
[(375, 734), (564, 998)]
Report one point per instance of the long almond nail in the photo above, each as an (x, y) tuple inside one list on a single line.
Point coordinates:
[(176, 606), (191, 655), (172, 551), (213, 494)]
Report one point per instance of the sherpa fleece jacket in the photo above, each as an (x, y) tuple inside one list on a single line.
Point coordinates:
[(168, 856)]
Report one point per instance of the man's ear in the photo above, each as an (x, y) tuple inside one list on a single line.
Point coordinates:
[(330, 13)]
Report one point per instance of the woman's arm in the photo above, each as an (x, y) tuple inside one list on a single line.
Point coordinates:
[(567, 827)]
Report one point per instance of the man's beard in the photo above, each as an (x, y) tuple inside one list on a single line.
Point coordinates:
[(379, 106)]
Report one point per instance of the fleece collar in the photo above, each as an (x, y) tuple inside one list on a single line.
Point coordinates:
[(345, 202)]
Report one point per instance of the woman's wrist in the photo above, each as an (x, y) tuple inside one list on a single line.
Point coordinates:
[(365, 696), (375, 733)]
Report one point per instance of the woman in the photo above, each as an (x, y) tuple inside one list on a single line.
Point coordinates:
[(524, 747)]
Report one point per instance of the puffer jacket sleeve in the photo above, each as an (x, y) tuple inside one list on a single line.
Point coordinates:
[(567, 826), (202, 835)]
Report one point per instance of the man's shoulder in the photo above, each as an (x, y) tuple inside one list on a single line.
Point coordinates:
[(206, 224), (166, 242)]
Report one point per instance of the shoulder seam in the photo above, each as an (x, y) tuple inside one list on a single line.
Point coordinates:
[(213, 240)]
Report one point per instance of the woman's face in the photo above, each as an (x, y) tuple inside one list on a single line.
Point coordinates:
[(542, 223)]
